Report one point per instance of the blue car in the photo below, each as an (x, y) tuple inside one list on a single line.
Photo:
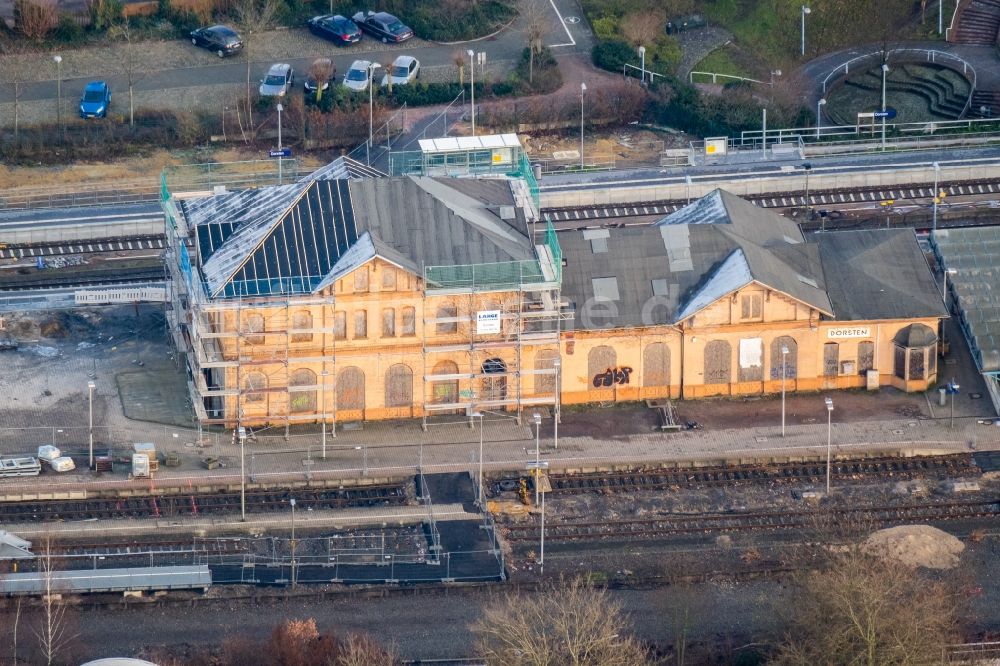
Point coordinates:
[(96, 100)]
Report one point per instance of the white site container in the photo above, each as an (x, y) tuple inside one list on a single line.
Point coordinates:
[(63, 464), (140, 465), (47, 453)]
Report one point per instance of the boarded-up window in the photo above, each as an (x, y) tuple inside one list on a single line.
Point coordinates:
[(360, 324), (544, 360), (831, 359), (917, 363), (408, 321), (494, 388), (388, 279), (866, 356), (751, 306), (599, 361), (899, 362), (350, 388), (751, 368), (932, 361), (718, 362), (388, 323), (447, 326), (361, 279), (656, 365), (788, 362), (253, 328), (302, 320), (399, 386), (446, 390), (254, 386), (339, 325), (302, 400)]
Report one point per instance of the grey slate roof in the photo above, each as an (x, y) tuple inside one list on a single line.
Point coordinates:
[(667, 272), (878, 274), (299, 237)]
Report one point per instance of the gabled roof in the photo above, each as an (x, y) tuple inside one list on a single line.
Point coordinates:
[(732, 274)]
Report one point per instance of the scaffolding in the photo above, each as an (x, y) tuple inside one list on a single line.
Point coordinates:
[(497, 318)]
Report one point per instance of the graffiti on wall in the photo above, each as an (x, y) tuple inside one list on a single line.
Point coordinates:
[(612, 376)]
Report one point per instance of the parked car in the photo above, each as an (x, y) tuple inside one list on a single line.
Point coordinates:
[(357, 76), (338, 29), (95, 100), (219, 38), (324, 65), (405, 69), (278, 81), (381, 25)]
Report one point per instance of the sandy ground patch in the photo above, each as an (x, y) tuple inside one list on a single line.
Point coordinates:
[(917, 546)]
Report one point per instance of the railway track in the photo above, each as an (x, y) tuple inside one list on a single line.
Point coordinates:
[(680, 525), (56, 249), (572, 217), (200, 504), (872, 469)]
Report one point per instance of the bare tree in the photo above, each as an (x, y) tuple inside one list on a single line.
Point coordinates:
[(865, 610), (322, 72), (130, 63), (54, 627), (459, 59), (363, 650), (565, 623), (535, 22), (35, 19), (253, 17), (645, 27), (16, 78)]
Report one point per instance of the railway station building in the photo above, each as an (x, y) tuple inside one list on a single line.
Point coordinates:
[(349, 295)]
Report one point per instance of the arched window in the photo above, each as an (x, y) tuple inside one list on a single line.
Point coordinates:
[(388, 323), (444, 311), (254, 386), (360, 324), (302, 323), (350, 388), (494, 388), (446, 390), (253, 329), (718, 362), (302, 400), (656, 365), (866, 356), (831, 359), (408, 321), (399, 386), (600, 360), (784, 365), (544, 360), (339, 325)]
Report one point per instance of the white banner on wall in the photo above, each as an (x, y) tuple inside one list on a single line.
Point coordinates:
[(751, 353), (487, 322), (847, 332)]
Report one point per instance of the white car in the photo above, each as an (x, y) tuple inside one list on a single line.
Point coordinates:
[(405, 69), (358, 75)]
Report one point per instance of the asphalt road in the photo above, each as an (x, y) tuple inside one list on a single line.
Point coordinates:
[(507, 45)]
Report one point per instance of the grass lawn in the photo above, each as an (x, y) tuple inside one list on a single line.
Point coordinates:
[(721, 61)]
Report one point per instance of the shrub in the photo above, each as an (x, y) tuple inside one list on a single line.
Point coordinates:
[(68, 30), (606, 28), (665, 55), (104, 13), (612, 55)]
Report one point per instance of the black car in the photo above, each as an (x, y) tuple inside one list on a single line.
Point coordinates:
[(338, 29), (383, 26), (219, 38)]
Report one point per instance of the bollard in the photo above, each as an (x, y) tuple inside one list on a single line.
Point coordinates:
[(942, 396)]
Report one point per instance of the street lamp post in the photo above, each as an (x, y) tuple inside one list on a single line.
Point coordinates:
[(805, 10), (90, 397), (242, 434), (293, 544), (371, 109), (280, 109), (784, 356), (937, 173), (829, 415), (952, 389), (324, 375), (58, 61), (642, 64), (472, 87), (819, 116), (557, 365), (538, 422), (944, 284), (364, 450), (807, 167), (541, 549), (687, 186), (481, 496), (885, 70), (583, 89), (940, 16)]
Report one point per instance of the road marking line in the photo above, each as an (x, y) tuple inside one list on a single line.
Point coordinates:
[(562, 22)]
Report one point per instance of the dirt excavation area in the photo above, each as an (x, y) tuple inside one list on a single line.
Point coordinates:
[(916, 546)]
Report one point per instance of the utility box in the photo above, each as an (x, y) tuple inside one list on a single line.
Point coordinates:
[(871, 380), (140, 465)]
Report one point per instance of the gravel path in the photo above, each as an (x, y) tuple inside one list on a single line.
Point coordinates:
[(696, 44)]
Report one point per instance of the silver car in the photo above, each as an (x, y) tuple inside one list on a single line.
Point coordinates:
[(405, 69), (358, 76), (278, 81)]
